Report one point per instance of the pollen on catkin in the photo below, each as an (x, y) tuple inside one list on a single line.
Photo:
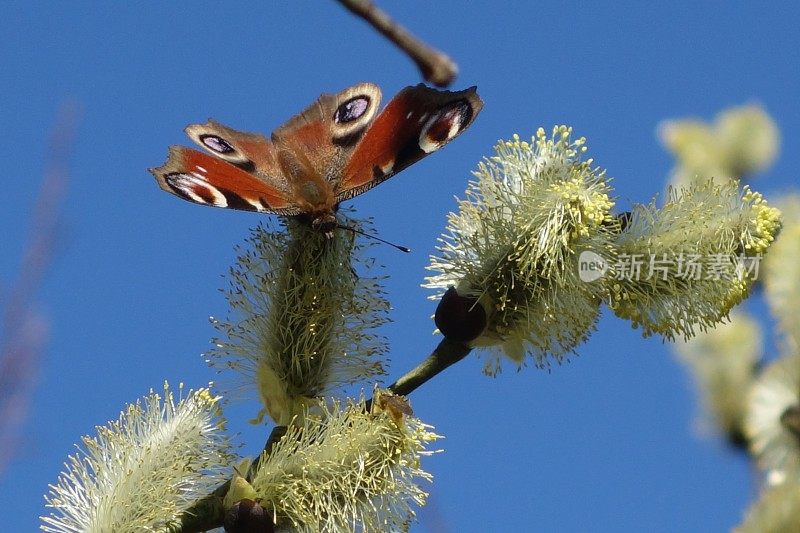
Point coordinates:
[(142, 471), (681, 267), (303, 315), (515, 241), (346, 468)]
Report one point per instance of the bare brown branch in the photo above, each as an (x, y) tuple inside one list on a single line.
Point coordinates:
[(436, 67)]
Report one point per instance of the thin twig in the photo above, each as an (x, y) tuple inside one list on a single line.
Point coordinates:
[(436, 66), (447, 353)]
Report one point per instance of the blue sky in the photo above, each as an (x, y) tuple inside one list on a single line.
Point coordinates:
[(607, 442)]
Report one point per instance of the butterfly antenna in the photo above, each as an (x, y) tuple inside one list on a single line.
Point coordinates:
[(354, 230)]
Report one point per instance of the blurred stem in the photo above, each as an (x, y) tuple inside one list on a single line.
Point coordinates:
[(23, 330)]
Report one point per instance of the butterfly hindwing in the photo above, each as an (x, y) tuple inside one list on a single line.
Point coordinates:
[(209, 180)]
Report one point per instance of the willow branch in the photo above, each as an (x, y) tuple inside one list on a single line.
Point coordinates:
[(446, 354), (275, 435), (436, 66)]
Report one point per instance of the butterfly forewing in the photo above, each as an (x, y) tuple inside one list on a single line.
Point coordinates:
[(416, 122), (315, 144), (250, 151), (343, 114)]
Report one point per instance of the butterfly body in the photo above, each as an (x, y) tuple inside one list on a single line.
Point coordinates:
[(337, 148)]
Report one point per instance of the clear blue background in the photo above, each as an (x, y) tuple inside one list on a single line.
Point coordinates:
[(607, 442)]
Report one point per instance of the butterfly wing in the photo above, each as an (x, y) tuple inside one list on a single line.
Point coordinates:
[(314, 145), (210, 180), (416, 122), (241, 172), (335, 149)]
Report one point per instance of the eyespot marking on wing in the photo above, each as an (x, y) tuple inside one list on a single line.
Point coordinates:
[(387, 167), (416, 122), (216, 144), (195, 189), (443, 125), (210, 180), (355, 109), (236, 201), (257, 203), (351, 110)]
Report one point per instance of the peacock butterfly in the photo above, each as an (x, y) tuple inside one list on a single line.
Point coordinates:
[(337, 148)]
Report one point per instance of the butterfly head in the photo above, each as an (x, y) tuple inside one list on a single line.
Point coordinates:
[(325, 223)]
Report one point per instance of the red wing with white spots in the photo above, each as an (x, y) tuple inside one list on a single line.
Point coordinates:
[(417, 122), (207, 180), (335, 149)]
